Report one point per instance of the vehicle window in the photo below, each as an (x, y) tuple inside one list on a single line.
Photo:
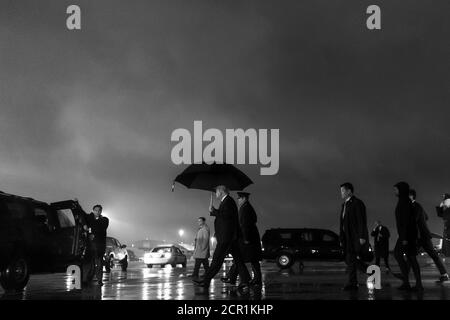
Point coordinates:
[(41, 217), (162, 250), (286, 235), (306, 236), (117, 243), (109, 242), (326, 237), (179, 251), (65, 218)]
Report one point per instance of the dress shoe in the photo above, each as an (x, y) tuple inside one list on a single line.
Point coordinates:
[(350, 287), (443, 278), (244, 288), (201, 283)]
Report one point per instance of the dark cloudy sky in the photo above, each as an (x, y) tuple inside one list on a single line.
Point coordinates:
[(89, 114)]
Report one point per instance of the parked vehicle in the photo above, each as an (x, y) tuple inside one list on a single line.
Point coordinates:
[(115, 255), (132, 256), (37, 237), (286, 246), (164, 255)]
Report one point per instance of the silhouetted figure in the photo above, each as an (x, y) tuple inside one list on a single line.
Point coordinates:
[(97, 226), (381, 237), (425, 236), (249, 241), (201, 250), (407, 237), (226, 226), (354, 235), (443, 211)]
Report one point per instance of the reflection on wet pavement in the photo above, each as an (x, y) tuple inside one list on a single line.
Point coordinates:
[(319, 280)]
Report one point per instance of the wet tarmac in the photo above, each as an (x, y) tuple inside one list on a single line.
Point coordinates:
[(318, 281)]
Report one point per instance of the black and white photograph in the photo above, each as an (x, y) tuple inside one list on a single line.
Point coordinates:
[(245, 151)]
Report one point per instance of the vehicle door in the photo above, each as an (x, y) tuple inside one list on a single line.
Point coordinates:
[(44, 230), (16, 226), (306, 248), (330, 248), (69, 238), (180, 256)]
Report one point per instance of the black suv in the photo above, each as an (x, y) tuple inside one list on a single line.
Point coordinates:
[(288, 245), (37, 237)]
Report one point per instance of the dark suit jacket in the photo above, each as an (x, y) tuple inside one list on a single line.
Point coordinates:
[(421, 218), (406, 222), (98, 229), (226, 224), (247, 221), (444, 214), (381, 236), (353, 226)]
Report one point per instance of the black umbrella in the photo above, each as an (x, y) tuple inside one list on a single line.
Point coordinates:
[(208, 176)]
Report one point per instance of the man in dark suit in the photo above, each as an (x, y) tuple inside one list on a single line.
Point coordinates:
[(381, 236), (96, 225), (354, 235), (408, 235), (425, 235), (249, 241), (226, 227), (443, 211)]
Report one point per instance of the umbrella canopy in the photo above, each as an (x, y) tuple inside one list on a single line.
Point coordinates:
[(208, 176)]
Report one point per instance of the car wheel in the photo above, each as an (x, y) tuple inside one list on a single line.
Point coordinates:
[(285, 260), (124, 264), (149, 266), (16, 274)]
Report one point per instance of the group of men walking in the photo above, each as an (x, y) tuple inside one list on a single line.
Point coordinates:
[(236, 233), (413, 233)]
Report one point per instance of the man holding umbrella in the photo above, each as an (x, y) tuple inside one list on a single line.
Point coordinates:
[(250, 242), (226, 226)]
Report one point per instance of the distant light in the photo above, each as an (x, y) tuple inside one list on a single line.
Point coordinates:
[(180, 232)]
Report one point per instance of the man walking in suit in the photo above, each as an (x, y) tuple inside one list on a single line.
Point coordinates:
[(96, 224), (249, 242), (425, 236), (201, 250), (381, 236), (443, 211), (354, 235), (226, 227), (408, 234)]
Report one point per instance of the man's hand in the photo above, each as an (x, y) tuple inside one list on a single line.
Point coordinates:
[(362, 241), (404, 242)]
